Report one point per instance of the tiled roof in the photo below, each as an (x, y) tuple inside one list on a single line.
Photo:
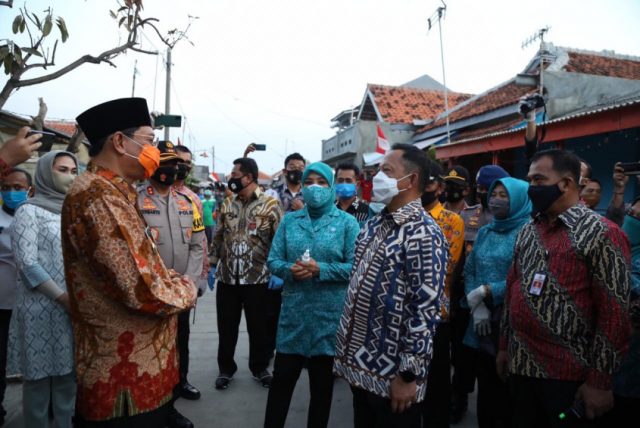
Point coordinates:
[(63, 126), (601, 64), (505, 125), (587, 62), (501, 96), (398, 104)]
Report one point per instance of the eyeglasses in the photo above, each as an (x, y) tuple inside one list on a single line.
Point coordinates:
[(153, 142)]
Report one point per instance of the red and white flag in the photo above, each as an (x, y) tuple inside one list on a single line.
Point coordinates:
[(382, 145), (215, 177)]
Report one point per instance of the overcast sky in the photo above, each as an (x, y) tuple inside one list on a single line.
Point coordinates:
[(276, 72)]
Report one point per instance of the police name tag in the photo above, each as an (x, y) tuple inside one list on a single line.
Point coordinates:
[(538, 283)]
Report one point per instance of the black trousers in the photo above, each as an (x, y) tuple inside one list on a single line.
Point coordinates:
[(286, 371), (5, 318), (538, 402), (273, 303), (154, 419), (462, 356), (493, 400), (437, 401), (230, 301), (371, 411), (183, 344)]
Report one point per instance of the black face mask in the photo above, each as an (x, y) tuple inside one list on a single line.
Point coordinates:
[(483, 196), (235, 184), (454, 193), (165, 175), (294, 177), (428, 198), (542, 197), (183, 171)]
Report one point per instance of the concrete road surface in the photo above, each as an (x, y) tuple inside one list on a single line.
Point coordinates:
[(243, 404)]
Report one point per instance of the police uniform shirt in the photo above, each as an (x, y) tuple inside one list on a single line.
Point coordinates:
[(176, 228)]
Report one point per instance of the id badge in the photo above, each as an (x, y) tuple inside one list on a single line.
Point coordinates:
[(539, 279)]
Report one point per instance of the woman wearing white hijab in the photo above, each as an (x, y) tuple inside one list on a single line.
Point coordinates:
[(41, 339)]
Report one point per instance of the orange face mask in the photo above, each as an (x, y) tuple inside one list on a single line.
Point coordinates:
[(149, 158)]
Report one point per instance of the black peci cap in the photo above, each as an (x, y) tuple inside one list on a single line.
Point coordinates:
[(104, 119)]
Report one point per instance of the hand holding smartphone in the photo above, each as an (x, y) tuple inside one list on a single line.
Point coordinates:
[(630, 168)]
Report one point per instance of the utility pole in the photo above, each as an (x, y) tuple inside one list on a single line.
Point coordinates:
[(439, 15), (167, 95), (135, 71), (213, 158)]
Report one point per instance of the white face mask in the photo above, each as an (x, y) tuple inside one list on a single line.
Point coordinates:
[(385, 188)]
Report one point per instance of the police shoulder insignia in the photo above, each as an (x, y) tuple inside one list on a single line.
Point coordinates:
[(147, 204)]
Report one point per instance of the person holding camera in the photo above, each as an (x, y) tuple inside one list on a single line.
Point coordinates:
[(617, 207)]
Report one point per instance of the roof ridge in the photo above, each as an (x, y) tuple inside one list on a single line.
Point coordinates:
[(409, 88), (607, 53)]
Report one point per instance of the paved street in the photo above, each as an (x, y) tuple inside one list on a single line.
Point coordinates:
[(243, 404)]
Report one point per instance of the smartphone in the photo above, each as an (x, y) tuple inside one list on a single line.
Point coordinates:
[(47, 140), (631, 168), (260, 147)]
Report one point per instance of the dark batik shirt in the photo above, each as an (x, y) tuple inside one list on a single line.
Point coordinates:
[(577, 329)]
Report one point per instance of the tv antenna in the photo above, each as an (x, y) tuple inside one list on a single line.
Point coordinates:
[(542, 52), (438, 16)]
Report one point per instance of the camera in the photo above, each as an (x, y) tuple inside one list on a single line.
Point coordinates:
[(531, 103)]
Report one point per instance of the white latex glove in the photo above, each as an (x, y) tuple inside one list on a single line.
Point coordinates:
[(481, 320), (476, 296)]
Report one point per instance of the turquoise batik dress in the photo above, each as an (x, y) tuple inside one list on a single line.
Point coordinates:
[(311, 309)]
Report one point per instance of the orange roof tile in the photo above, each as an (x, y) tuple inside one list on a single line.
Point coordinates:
[(603, 65), (504, 95), (62, 126), (398, 104)]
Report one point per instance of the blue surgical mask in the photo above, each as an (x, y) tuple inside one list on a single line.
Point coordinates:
[(14, 198), (345, 190)]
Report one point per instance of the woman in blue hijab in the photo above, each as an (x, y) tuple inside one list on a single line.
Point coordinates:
[(485, 274), (312, 252)]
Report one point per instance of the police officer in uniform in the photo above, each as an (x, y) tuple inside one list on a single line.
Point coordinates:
[(176, 226)]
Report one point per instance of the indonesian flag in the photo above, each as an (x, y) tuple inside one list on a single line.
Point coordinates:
[(382, 145)]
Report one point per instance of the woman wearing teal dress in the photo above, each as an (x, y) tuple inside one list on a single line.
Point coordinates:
[(312, 252)]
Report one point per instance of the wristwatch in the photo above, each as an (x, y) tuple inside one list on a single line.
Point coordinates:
[(407, 376)]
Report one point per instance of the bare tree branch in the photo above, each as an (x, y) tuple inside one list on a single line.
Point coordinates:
[(143, 51), (75, 141), (8, 3), (38, 121), (105, 56)]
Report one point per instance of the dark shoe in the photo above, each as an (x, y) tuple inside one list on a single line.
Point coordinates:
[(189, 392), (459, 404), (223, 381), (264, 377), (177, 420)]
